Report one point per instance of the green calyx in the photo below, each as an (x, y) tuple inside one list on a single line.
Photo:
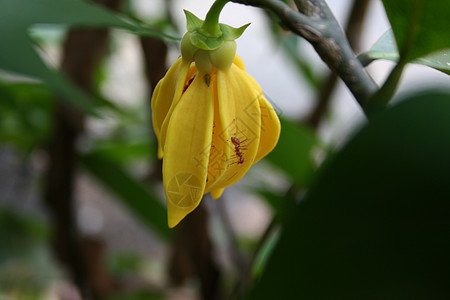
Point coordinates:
[(209, 43), (210, 37)]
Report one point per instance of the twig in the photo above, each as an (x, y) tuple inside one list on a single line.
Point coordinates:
[(237, 257), (353, 31), (317, 24)]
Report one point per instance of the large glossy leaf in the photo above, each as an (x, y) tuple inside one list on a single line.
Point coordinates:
[(293, 153), (385, 48), (17, 54), (420, 26), (375, 223), (139, 199)]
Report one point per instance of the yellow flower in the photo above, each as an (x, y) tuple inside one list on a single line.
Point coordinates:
[(212, 124)]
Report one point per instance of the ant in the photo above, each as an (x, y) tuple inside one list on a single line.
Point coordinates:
[(238, 153), (240, 145), (237, 150)]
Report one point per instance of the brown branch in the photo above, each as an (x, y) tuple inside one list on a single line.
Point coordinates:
[(193, 254), (155, 54), (82, 51)]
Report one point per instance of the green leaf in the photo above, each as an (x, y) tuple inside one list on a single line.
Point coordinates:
[(375, 223), (125, 151), (24, 13), (17, 52), (25, 110), (385, 48), (420, 27), (26, 266), (138, 295), (192, 22), (439, 60), (139, 199), (265, 252), (230, 33), (275, 201), (293, 152)]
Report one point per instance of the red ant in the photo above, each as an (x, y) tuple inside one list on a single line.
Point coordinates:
[(237, 149)]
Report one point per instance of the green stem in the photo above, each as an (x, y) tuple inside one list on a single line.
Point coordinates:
[(382, 97), (211, 27)]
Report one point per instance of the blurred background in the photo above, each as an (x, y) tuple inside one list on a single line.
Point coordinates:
[(82, 210)]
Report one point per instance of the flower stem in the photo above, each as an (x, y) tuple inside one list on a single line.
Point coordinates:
[(211, 27)]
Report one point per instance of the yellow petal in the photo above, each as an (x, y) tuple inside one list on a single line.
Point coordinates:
[(186, 150), (168, 89), (270, 124), (239, 62), (239, 110), (217, 193), (270, 128), (155, 123), (191, 73), (220, 150)]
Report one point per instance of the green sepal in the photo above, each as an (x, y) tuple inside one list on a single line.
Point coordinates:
[(192, 22), (206, 43), (201, 41), (230, 33)]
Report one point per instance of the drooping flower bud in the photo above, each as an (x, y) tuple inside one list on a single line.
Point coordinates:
[(210, 117), (209, 46)]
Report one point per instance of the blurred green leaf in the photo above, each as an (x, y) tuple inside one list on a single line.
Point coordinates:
[(125, 151), (26, 268), (293, 152), (129, 140), (17, 54), (274, 200), (439, 60), (123, 263), (139, 199), (282, 205), (18, 229), (385, 48), (149, 295), (25, 110), (375, 223), (291, 45), (265, 252), (420, 27)]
